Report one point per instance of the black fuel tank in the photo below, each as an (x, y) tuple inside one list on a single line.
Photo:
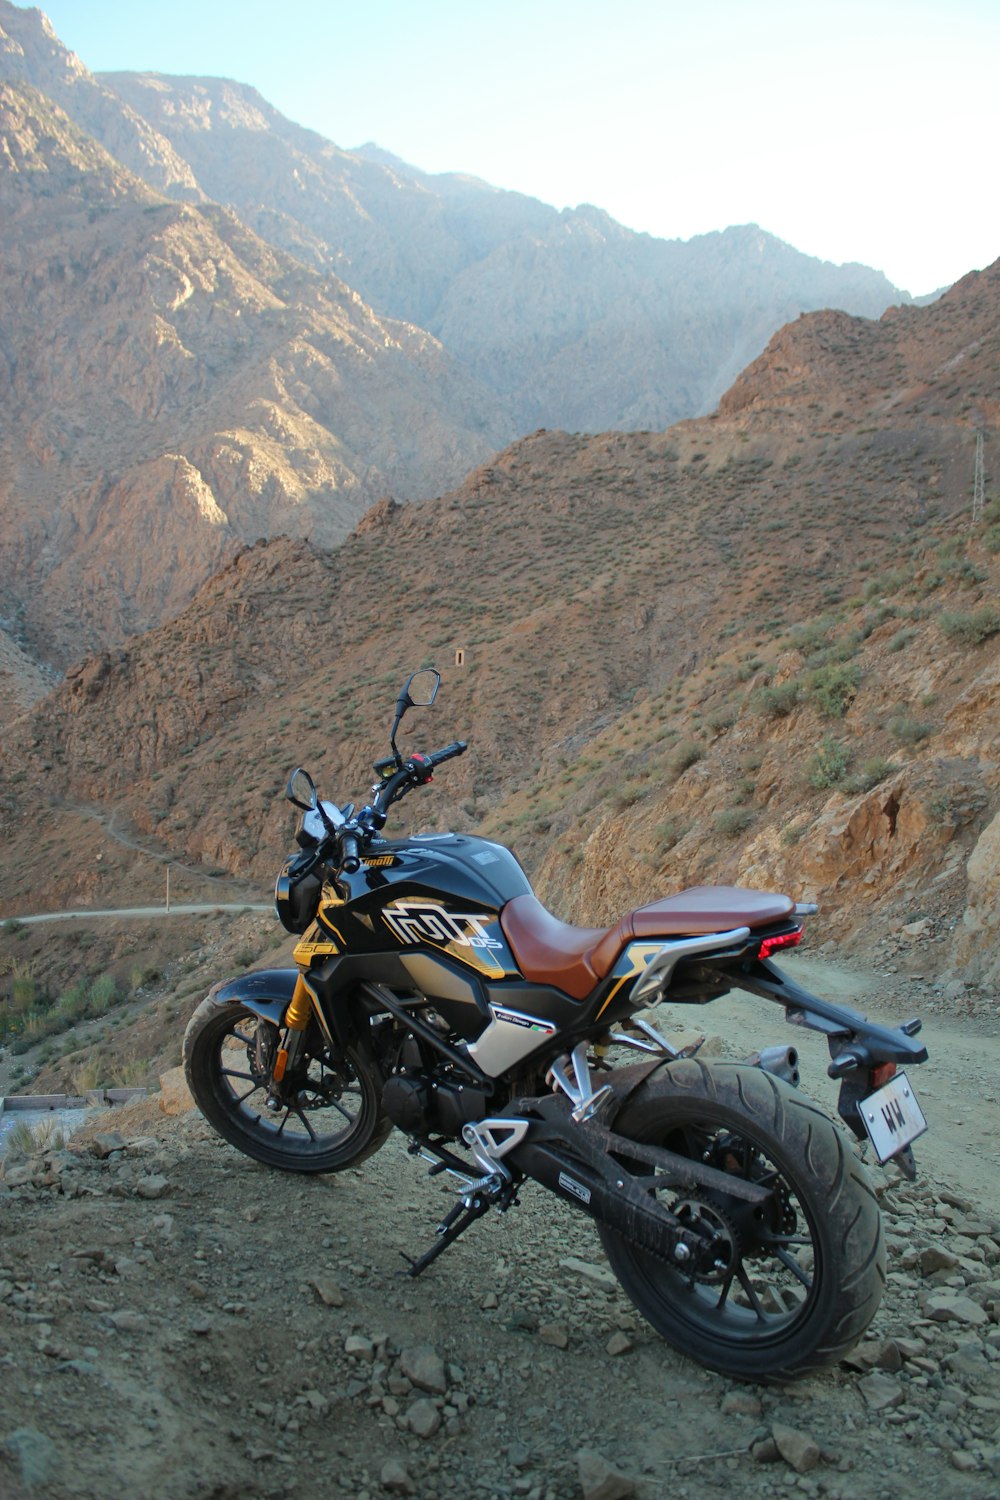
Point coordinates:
[(454, 865)]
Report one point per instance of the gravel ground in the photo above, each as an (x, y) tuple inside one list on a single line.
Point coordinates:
[(176, 1320)]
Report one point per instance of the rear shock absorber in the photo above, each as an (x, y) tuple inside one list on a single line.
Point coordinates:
[(297, 1018)]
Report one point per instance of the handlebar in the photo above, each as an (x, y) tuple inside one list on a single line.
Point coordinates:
[(457, 747), (350, 860), (413, 772)]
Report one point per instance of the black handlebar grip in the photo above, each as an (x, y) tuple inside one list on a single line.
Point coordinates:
[(457, 747), (350, 861)]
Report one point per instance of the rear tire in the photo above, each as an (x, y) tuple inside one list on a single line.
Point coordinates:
[(335, 1118), (797, 1286)]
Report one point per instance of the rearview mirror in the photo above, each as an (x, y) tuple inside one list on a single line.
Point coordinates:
[(301, 790), (420, 688), (418, 691)]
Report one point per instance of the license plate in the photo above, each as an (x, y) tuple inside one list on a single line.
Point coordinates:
[(892, 1117)]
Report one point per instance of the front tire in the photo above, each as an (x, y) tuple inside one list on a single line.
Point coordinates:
[(334, 1116), (797, 1285)]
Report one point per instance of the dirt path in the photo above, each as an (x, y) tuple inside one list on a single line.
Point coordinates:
[(958, 1087), (178, 909), (108, 821)]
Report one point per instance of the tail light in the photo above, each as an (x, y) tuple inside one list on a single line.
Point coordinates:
[(781, 940)]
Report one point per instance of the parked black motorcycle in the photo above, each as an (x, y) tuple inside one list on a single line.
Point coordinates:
[(434, 992)]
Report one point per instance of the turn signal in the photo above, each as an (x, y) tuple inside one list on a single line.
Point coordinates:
[(783, 940)]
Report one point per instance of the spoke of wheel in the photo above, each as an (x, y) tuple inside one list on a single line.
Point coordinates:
[(785, 1239), (234, 1073), (242, 1098), (302, 1117), (797, 1271), (724, 1293), (748, 1287), (346, 1114)]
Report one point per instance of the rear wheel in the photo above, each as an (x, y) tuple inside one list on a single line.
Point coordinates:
[(793, 1284), (332, 1118)]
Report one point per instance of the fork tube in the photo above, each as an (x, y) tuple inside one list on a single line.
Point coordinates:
[(296, 1020)]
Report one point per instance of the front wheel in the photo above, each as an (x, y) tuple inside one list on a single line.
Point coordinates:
[(796, 1282), (333, 1116)]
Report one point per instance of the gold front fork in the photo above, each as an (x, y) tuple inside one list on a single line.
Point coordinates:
[(297, 1018)]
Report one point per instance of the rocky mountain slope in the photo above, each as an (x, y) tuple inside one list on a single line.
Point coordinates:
[(761, 646), (173, 387)]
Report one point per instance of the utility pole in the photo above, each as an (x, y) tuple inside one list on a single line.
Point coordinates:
[(979, 483)]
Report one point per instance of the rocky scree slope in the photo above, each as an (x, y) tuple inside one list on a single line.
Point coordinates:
[(168, 1332), (759, 647)]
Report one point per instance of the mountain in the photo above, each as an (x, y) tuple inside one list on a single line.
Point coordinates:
[(761, 647), (173, 387), (32, 54), (575, 320), (216, 325)]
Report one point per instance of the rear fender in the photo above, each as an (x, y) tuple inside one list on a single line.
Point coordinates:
[(267, 992)]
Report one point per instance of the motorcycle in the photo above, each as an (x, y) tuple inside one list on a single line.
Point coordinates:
[(432, 991)]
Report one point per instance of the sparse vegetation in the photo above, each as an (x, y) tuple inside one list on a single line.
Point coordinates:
[(908, 730), (828, 766), (733, 821), (686, 754), (970, 627), (832, 688), (869, 774), (777, 701), (25, 1140)]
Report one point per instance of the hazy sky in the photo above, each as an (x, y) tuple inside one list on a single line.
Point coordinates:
[(862, 130)]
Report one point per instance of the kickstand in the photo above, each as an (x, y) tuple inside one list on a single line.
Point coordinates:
[(454, 1223)]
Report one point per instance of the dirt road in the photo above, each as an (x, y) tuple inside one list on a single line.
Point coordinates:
[(958, 1087)]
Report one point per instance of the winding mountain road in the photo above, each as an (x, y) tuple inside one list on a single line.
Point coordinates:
[(182, 909)]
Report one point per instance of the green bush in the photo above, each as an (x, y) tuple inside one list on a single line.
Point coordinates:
[(829, 765), (870, 773), (686, 753), (101, 994), (970, 627), (907, 730), (24, 993), (777, 701), (670, 832), (832, 688), (733, 821)]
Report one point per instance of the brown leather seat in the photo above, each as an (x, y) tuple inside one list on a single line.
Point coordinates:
[(549, 951), (573, 959)]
